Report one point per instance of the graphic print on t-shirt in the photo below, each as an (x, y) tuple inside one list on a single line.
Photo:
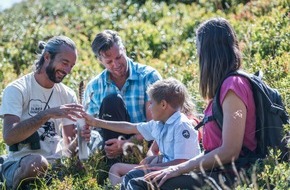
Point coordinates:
[(35, 106), (47, 130)]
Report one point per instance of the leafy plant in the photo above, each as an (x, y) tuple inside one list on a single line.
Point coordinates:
[(156, 33)]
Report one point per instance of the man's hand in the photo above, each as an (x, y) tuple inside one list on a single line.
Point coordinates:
[(69, 111), (114, 147), (86, 132)]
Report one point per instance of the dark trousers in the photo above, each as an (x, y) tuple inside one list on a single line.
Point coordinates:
[(113, 109), (134, 180)]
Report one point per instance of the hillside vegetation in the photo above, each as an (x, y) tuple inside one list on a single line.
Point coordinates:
[(156, 33)]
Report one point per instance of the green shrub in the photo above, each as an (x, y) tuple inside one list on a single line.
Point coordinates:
[(156, 33)]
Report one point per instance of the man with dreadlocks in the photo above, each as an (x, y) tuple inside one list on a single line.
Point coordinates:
[(34, 107)]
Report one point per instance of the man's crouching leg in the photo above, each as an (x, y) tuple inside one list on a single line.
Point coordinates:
[(26, 169)]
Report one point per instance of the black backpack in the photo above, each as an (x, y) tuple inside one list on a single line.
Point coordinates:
[(271, 116)]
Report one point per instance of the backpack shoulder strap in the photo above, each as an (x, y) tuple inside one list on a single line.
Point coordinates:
[(217, 113), (258, 86), (204, 121), (255, 81), (216, 106)]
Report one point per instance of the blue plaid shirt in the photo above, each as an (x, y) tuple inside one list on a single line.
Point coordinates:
[(133, 92)]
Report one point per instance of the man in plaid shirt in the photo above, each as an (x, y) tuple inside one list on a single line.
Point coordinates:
[(119, 92)]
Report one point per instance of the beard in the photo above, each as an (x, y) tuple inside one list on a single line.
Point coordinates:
[(51, 73)]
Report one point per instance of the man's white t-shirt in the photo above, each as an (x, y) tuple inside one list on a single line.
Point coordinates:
[(25, 98), (176, 138)]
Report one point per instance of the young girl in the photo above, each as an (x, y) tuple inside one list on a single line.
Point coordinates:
[(219, 54)]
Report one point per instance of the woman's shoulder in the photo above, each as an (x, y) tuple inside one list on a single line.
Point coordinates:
[(236, 83), (241, 86)]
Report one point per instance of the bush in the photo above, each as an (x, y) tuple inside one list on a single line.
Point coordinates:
[(156, 33)]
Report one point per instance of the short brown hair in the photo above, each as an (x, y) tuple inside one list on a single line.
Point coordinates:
[(171, 90)]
